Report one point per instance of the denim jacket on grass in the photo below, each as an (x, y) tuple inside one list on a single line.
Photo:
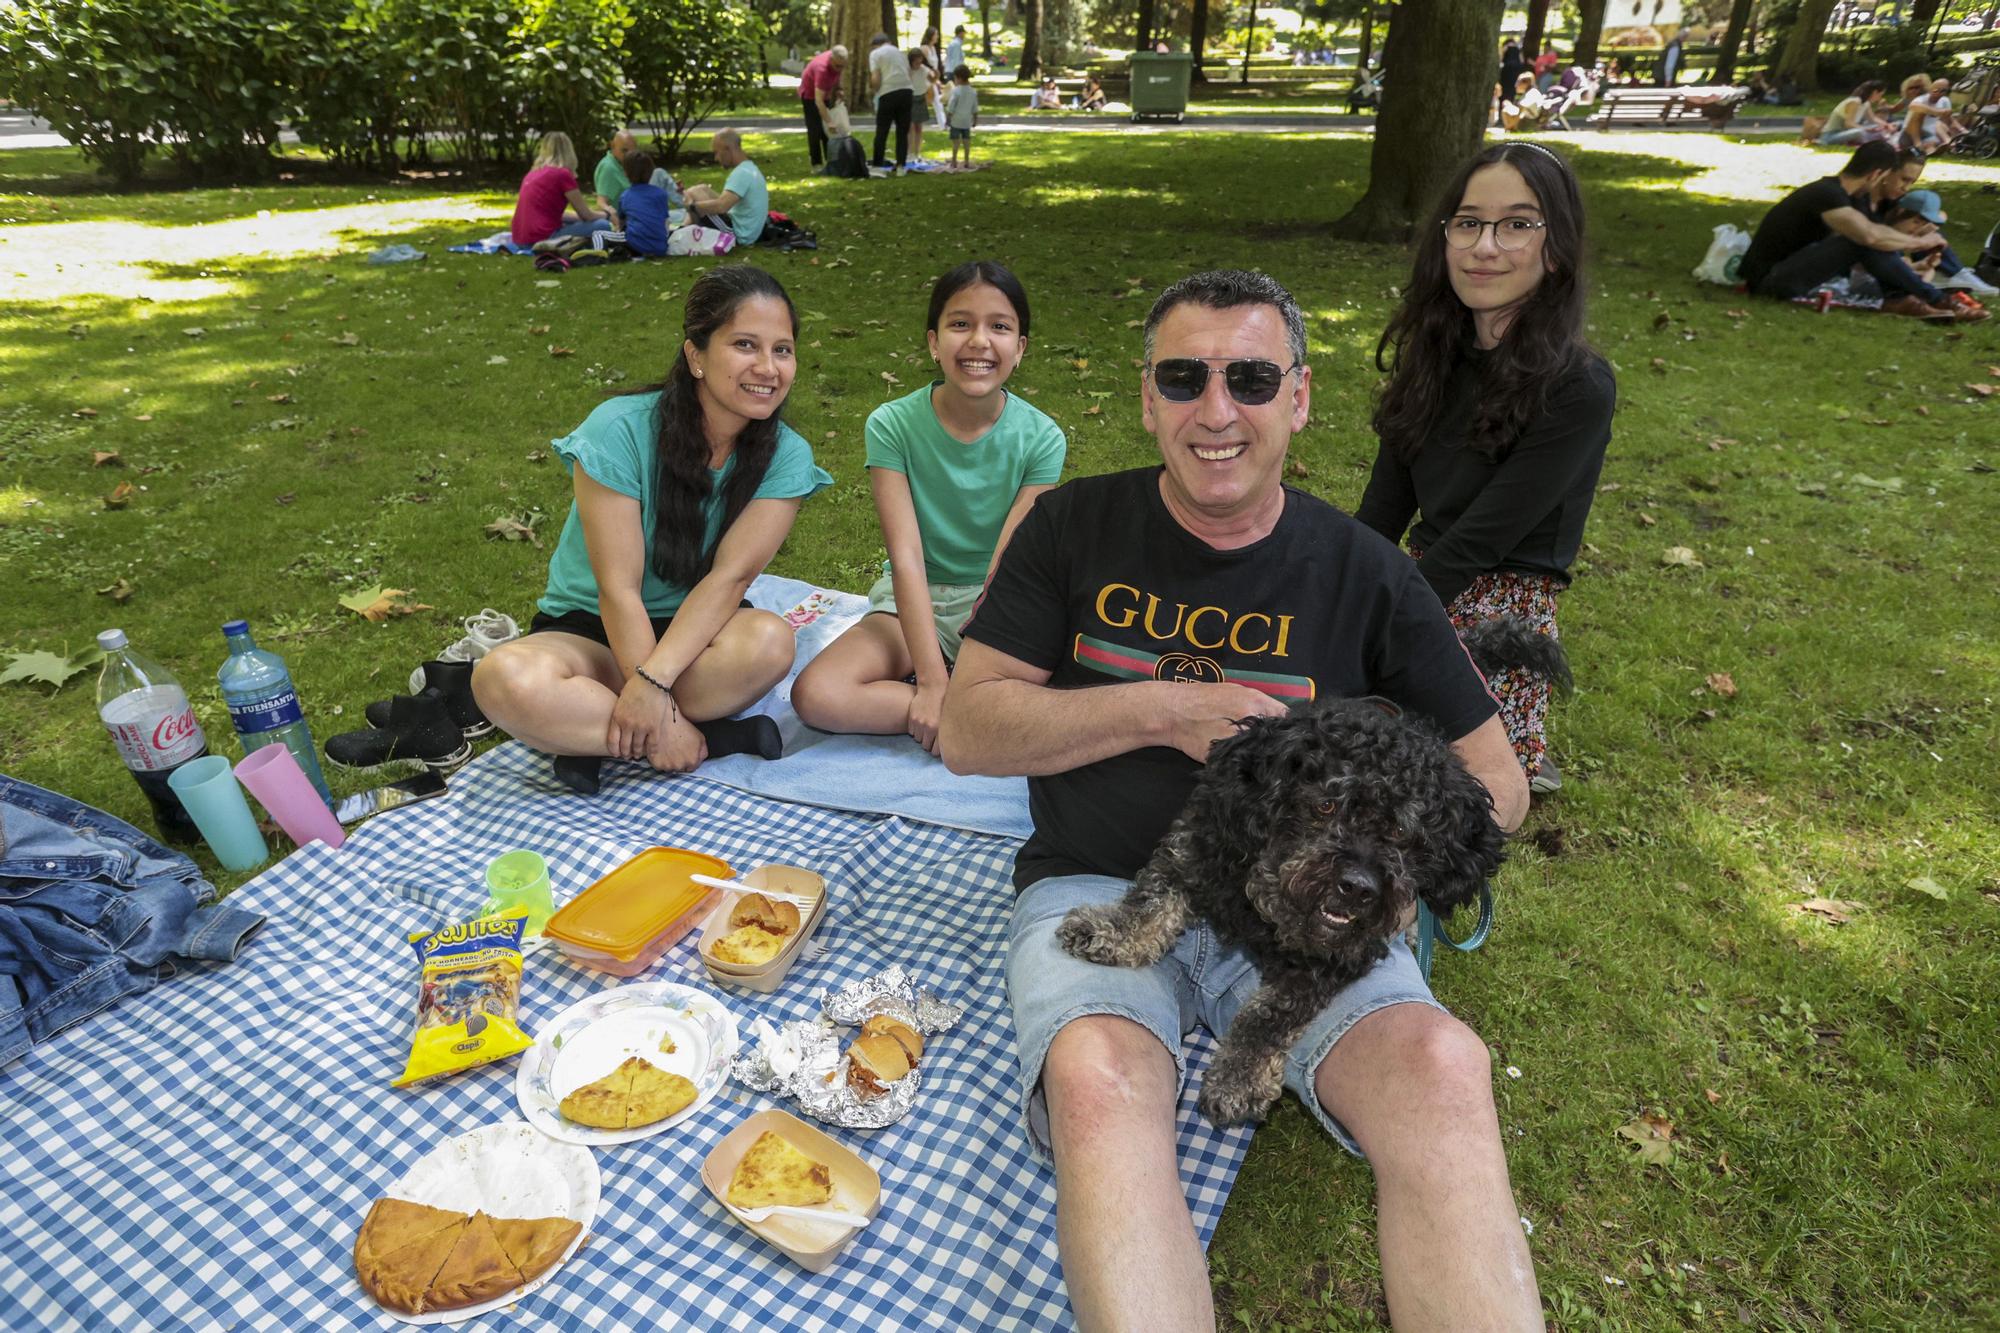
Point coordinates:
[(91, 911)]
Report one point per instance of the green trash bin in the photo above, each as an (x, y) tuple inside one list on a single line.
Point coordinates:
[(1160, 84)]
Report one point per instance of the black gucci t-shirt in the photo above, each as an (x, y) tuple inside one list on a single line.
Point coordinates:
[(1100, 585)]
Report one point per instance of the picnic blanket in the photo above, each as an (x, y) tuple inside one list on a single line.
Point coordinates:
[(499, 243), (202, 1155)]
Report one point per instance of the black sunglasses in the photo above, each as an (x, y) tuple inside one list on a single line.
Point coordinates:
[(1250, 382)]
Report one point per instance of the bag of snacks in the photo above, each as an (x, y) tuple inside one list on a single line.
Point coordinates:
[(470, 998)]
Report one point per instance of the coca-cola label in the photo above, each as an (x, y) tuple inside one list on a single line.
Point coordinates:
[(266, 714), (166, 742)]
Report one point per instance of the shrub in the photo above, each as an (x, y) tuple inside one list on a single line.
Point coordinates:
[(686, 59), (462, 85), (565, 62), (352, 76)]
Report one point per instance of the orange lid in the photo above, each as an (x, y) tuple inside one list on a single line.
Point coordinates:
[(621, 913)]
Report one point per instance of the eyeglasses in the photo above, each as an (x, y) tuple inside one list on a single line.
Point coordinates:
[(1182, 379), (1462, 232)]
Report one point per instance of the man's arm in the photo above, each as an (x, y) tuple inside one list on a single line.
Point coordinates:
[(1002, 718), (1488, 756), (1850, 222)]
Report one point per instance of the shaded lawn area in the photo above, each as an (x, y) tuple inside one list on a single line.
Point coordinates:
[(1829, 1087)]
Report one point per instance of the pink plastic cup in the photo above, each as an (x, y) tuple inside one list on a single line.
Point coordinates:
[(281, 787)]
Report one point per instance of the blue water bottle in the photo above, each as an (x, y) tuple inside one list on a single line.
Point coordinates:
[(263, 705)]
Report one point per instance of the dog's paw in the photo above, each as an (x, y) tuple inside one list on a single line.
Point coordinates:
[(1239, 1090), (1093, 934)]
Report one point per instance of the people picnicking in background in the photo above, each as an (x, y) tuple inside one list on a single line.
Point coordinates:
[(1092, 97), (954, 467), (962, 113), (1048, 97), (1524, 110), (609, 179), (643, 208), (1929, 125), (1511, 65), (549, 187), (1856, 118), (1545, 66), (743, 204), (1496, 414), (819, 87), (642, 647), (889, 80), (1896, 202), (1819, 232)]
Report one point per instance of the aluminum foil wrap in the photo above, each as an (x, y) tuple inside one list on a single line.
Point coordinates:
[(803, 1060)]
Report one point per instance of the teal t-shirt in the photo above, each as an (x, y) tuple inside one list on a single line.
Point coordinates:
[(615, 446), (753, 201), (961, 492), (610, 179)]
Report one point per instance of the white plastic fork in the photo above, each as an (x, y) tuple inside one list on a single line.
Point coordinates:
[(789, 1210), (774, 895)]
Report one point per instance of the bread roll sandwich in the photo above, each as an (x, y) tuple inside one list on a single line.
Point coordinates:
[(875, 1061)]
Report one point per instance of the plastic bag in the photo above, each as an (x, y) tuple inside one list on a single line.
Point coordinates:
[(1725, 255), (469, 1001), (699, 240)]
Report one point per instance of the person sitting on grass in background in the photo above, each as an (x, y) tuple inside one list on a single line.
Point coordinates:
[(1092, 97), (1854, 118), (1496, 414), (1896, 202), (954, 467), (610, 178), (642, 644), (1929, 124), (743, 204), (549, 185), (1048, 97), (1819, 231), (643, 206), (1524, 111), (961, 112)]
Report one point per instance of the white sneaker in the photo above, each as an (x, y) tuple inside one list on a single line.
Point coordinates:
[(1968, 281), (483, 633)]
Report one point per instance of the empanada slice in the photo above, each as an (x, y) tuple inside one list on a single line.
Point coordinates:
[(773, 1171), (601, 1105), (535, 1243), (476, 1270)]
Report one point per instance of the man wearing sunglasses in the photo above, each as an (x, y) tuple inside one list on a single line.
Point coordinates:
[(1132, 621)]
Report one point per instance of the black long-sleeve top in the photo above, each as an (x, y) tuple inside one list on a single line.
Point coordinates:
[(1522, 510)]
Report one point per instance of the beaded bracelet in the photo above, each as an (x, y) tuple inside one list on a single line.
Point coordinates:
[(648, 677)]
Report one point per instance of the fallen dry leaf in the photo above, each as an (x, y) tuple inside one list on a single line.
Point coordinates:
[(1297, 468), (1646, 520), (513, 530), (121, 495), (1983, 390), (143, 416), (1737, 314), (277, 398), (1655, 1136), (1661, 320), (1838, 911), (119, 591), (1721, 683), (537, 330), (1659, 364), (85, 412), (888, 378), (1681, 556), (1714, 1097), (1080, 363), (538, 455), (348, 340), (286, 498), (105, 458), (1094, 410), (554, 350), (1135, 323), (378, 603)]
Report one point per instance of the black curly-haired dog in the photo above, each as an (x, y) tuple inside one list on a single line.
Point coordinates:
[(1306, 841)]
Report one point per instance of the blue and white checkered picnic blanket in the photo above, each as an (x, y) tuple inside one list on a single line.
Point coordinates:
[(200, 1156)]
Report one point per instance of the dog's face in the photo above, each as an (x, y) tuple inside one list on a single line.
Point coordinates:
[(1324, 885)]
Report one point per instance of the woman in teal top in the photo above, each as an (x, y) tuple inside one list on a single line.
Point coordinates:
[(643, 643), (955, 466)]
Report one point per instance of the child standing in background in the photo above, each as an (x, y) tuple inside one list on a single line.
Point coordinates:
[(962, 112)]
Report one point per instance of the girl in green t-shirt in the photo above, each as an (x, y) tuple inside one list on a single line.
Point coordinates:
[(642, 645), (954, 466)]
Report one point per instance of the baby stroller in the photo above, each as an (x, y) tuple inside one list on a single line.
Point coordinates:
[(1981, 139)]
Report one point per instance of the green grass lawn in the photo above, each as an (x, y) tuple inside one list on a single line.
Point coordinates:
[(335, 426)]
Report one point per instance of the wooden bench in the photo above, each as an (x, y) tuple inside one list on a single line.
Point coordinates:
[(1668, 106)]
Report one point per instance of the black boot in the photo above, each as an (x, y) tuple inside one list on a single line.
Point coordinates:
[(451, 683), (420, 729)]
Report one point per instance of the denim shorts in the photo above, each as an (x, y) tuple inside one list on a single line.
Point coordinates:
[(1201, 982)]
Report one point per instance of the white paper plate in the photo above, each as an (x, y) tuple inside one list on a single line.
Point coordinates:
[(507, 1169), (595, 1035)]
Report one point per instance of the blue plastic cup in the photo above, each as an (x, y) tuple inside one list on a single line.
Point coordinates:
[(214, 798)]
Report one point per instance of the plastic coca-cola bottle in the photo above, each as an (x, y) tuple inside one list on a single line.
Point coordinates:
[(147, 713)]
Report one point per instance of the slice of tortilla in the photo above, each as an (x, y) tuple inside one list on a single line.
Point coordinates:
[(773, 1171), (400, 1279), (747, 946), (601, 1105), (535, 1243), (655, 1094), (476, 1270)]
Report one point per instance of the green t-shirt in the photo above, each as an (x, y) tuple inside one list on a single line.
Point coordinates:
[(614, 445), (962, 492), (753, 201), (610, 179)]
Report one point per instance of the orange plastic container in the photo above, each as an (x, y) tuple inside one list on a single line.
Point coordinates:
[(623, 923)]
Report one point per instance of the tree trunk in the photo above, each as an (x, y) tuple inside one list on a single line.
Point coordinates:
[(986, 30), (850, 23), (935, 19), (1801, 63), (889, 21), (1031, 40), (1143, 41), (1538, 19), (1249, 41), (1427, 127), (1589, 27), (1367, 38), (1922, 12), (1732, 40), (1198, 38)]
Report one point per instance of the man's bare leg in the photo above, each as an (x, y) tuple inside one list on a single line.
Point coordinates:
[(1129, 1252), (1415, 1088)]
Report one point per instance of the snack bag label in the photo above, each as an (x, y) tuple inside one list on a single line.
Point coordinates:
[(469, 999)]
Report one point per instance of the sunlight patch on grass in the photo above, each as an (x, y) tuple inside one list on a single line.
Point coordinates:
[(63, 260), (1728, 168)]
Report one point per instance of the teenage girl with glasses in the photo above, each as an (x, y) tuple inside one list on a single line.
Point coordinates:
[(955, 466), (1495, 416)]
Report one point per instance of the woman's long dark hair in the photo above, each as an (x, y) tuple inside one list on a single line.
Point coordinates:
[(680, 445), (1432, 331)]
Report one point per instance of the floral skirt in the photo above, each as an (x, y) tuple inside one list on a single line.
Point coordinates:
[(1523, 697)]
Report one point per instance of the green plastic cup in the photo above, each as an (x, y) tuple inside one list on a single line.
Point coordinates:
[(519, 881)]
